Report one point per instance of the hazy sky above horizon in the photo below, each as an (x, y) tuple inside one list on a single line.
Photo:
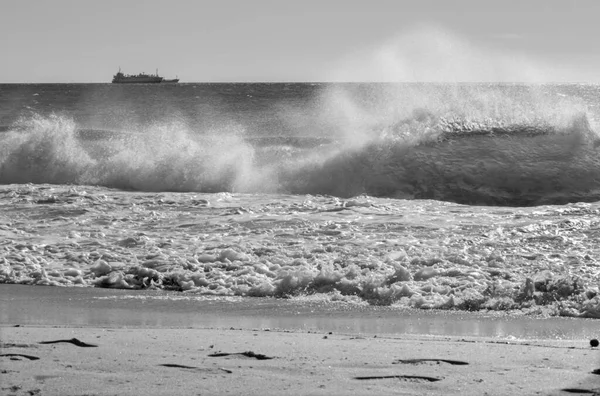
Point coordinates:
[(279, 40)]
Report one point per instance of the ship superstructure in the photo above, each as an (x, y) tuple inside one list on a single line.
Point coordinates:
[(141, 78)]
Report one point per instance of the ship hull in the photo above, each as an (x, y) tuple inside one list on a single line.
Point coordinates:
[(142, 78), (136, 80)]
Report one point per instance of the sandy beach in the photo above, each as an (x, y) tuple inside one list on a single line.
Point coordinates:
[(104, 357)]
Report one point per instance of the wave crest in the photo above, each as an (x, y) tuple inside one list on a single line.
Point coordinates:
[(465, 162), (43, 150), (161, 158), (419, 157)]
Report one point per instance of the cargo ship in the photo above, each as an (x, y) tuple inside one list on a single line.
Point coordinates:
[(141, 78)]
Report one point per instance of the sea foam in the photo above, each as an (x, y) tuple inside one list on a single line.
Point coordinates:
[(406, 253)]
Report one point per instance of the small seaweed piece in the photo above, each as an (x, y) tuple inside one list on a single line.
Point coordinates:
[(177, 365), (257, 356), (73, 341), (407, 377), (174, 365), (250, 354), (21, 355), (581, 391), (12, 345), (412, 361)]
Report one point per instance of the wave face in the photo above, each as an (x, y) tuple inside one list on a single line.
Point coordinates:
[(511, 165), (481, 145)]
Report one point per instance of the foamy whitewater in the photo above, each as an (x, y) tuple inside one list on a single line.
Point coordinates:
[(445, 196)]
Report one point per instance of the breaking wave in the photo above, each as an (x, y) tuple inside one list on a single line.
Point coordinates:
[(466, 162), (423, 154), (163, 158)]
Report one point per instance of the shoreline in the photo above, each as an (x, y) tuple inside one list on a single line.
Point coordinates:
[(99, 307), (110, 356)]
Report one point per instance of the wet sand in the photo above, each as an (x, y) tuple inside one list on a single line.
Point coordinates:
[(300, 356), (98, 307)]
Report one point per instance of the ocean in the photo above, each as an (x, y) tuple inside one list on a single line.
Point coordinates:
[(469, 197)]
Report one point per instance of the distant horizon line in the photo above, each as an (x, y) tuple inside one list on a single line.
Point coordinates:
[(313, 82)]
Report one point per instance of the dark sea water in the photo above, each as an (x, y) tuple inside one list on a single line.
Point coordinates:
[(502, 144)]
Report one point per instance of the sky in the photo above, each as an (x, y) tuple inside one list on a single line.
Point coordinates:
[(56, 41)]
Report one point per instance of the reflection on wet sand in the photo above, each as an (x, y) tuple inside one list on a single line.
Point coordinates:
[(27, 305)]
